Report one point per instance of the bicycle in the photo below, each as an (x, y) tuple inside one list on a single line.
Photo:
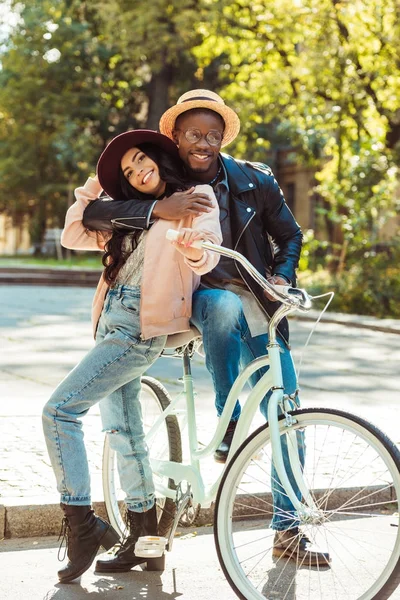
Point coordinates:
[(349, 479)]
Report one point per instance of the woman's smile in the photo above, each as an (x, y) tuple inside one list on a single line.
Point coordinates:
[(147, 176)]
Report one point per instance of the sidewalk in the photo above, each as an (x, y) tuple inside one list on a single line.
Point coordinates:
[(356, 321), (29, 571), (192, 572), (45, 331)]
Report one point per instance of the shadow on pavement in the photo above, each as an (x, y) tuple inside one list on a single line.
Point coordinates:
[(134, 585)]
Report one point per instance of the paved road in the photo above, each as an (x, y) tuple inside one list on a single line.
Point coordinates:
[(45, 331), (192, 572)]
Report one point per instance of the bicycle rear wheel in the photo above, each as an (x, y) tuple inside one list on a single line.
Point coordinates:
[(353, 473), (165, 445)]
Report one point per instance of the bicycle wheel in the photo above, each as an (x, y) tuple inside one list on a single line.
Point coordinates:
[(154, 400), (353, 473)]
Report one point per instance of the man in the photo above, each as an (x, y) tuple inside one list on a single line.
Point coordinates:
[(229, 308)]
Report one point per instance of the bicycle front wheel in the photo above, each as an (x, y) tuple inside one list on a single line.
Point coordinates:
[(166, 445), (353, 473)]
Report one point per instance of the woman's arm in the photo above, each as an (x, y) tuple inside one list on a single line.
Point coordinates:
[(75, 235), (208, 225)]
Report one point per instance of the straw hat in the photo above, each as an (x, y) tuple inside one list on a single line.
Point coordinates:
[(202, 99), (110, 160)]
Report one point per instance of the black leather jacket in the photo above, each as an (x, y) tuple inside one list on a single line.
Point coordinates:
[(263, 228)]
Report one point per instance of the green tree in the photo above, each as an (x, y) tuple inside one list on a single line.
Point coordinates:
[(321, 76), (62, 96), (156, 43)]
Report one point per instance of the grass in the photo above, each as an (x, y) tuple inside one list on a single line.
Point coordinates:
[(84, 261)]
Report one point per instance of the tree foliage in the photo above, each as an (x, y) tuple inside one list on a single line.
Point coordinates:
[(61, 98), (321, 76), (156, 42)]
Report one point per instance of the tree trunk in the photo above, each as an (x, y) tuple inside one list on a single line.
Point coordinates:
[(158, 89), (38, 225), (393, 135)]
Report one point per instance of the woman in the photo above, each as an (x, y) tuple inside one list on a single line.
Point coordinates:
[(144, 294)]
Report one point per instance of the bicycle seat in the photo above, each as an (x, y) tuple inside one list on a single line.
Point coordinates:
[(177, 340)]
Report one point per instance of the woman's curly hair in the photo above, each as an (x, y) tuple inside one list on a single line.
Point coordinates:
[(172, 172)]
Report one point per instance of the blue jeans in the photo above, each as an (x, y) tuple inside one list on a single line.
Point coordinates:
[(110, 374), (229, 347)]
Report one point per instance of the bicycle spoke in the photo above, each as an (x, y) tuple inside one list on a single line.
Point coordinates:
[(353, 481)]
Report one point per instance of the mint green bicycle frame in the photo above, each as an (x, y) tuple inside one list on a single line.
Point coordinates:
[(272, 379)]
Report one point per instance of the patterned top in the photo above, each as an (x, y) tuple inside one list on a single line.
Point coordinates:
[(131, 272)]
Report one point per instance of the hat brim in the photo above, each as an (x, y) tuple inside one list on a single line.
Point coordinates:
[(231, 120), (110, 160)]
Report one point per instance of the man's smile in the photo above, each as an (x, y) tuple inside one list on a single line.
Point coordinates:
[(203, 156)]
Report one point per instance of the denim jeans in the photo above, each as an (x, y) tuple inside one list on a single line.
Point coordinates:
[(110, 374), (229, 347)]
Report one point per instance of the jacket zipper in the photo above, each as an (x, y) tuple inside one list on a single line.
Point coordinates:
[(117, 222), (244, 229)]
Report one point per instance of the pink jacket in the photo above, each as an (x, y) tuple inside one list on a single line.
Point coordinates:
[(169, 278)]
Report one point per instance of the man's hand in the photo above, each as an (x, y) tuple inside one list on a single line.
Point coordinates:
[(182, 204), (275, 280)]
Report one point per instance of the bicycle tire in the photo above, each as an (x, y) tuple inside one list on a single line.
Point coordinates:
[(355, 481), (168, 444)]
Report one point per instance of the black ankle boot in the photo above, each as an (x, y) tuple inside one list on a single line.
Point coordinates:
[(221, 453), (139, 524), (84, 533)]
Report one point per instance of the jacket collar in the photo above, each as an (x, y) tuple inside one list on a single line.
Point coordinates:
[(239, 181)]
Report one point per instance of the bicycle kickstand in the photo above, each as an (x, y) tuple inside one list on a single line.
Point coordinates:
[(182, 500)]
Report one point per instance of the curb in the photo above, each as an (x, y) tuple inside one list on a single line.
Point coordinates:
[(349, 320), (61, 276), (39, 520), (35, 520), (44, 519)]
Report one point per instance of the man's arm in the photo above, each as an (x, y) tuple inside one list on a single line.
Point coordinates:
[(104, 214), (284, 231), (107, 214)]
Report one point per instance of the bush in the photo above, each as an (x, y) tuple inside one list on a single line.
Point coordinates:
[(369, 287)]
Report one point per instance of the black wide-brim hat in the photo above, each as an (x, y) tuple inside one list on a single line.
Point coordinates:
[(110, 161)]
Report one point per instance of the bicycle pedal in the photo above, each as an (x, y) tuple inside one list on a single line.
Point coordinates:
[(150, 546)]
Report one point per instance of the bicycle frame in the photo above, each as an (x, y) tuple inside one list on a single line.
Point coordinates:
[(191, 472), (271, 380)]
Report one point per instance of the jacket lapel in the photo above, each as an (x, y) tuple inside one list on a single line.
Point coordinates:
[(241, 212)]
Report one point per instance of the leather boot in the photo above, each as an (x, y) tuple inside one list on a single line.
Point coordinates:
[(221, 453), (139, 524), (84, 533), (296, 546)]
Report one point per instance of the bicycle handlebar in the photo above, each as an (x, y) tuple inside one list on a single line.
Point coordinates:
[(295, 298)]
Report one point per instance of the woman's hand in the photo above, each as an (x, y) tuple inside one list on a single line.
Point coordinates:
[(185, 240)]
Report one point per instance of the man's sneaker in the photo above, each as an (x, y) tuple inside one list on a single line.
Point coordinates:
[(221, 453), (293, 544)]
